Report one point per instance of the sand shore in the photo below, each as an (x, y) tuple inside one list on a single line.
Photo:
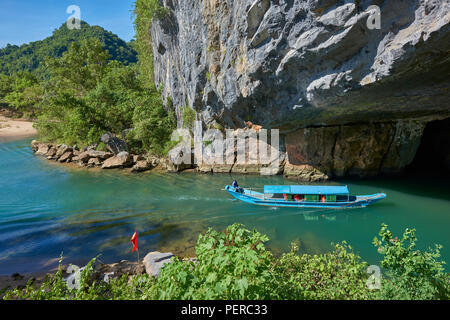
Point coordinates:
[(15, 129)]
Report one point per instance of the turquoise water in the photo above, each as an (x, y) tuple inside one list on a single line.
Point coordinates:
[(47, 209)]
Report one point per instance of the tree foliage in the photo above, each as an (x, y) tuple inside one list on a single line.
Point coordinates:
[(89, 95), (30, 57), (21, 92)]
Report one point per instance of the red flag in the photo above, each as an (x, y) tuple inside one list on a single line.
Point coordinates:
[(134, 241)]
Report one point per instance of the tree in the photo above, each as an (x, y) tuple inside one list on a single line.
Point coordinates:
[(88, 95), (30, 57)]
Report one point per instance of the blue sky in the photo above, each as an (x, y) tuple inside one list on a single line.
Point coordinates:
[(23, 21)]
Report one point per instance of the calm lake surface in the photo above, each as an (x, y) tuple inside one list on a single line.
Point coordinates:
[(47, 209)]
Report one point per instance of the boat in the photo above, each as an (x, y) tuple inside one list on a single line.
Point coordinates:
[(304, 196)]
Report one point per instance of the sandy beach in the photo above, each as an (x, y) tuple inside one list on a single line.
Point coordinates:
[(15, 129)]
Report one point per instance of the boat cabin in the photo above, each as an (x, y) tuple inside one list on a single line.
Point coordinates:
[(308, 193)]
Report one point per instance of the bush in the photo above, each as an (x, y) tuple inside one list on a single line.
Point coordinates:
[(411, 274), (231, 265)]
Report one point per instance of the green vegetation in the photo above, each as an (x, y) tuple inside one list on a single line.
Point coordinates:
[(89, 95), (22, 92), (189, 116), (235, 264), (146, 11), (30, 57), (80, 84)]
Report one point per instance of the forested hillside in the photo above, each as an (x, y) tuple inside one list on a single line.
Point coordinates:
[(30, 57)]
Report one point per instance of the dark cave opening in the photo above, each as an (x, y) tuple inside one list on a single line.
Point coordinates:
[(433, 156)]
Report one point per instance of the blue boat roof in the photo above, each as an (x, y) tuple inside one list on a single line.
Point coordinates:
[(306, 189)]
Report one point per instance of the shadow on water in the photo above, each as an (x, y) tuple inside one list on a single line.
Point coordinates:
[(417, 184)]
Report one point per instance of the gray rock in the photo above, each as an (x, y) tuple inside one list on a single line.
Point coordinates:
[(66, 157), (51, 153), (42, 149), (35, 145), (102, 155), (63, 149), (83, 157), (137, 158), (179, 159), (121, 160), (154, 261), (94, 162), (114, 144), (141, 166)]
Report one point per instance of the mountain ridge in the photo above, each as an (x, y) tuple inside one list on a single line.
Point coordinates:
[(29, 56)]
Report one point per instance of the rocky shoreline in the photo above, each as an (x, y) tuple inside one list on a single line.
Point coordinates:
[(91, 158), (150, 265)]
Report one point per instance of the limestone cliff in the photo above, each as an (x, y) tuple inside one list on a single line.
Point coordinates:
[(348, 98)]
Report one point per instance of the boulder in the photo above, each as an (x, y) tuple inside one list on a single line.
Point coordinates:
[(82, 157), (94, 162), (114, 144), (154, 161), (66, 157), (121, 160), (179, 159), (137, 158), (42, 149), (92, 147), (35, 145), (117, 270), (106, 272), (51, 153), (154, 261), (102, 155), (141, 166), (62, 150)]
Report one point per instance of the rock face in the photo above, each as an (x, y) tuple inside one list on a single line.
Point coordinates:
[(357, 150), (318, 70), (295, 63)]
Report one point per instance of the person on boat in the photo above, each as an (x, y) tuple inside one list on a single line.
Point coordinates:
[(236, 186), (297, 198)]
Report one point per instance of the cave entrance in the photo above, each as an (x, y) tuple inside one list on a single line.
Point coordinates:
[(433, 156)]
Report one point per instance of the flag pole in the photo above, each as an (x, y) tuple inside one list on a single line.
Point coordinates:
[(138, 257), (138, 252)]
